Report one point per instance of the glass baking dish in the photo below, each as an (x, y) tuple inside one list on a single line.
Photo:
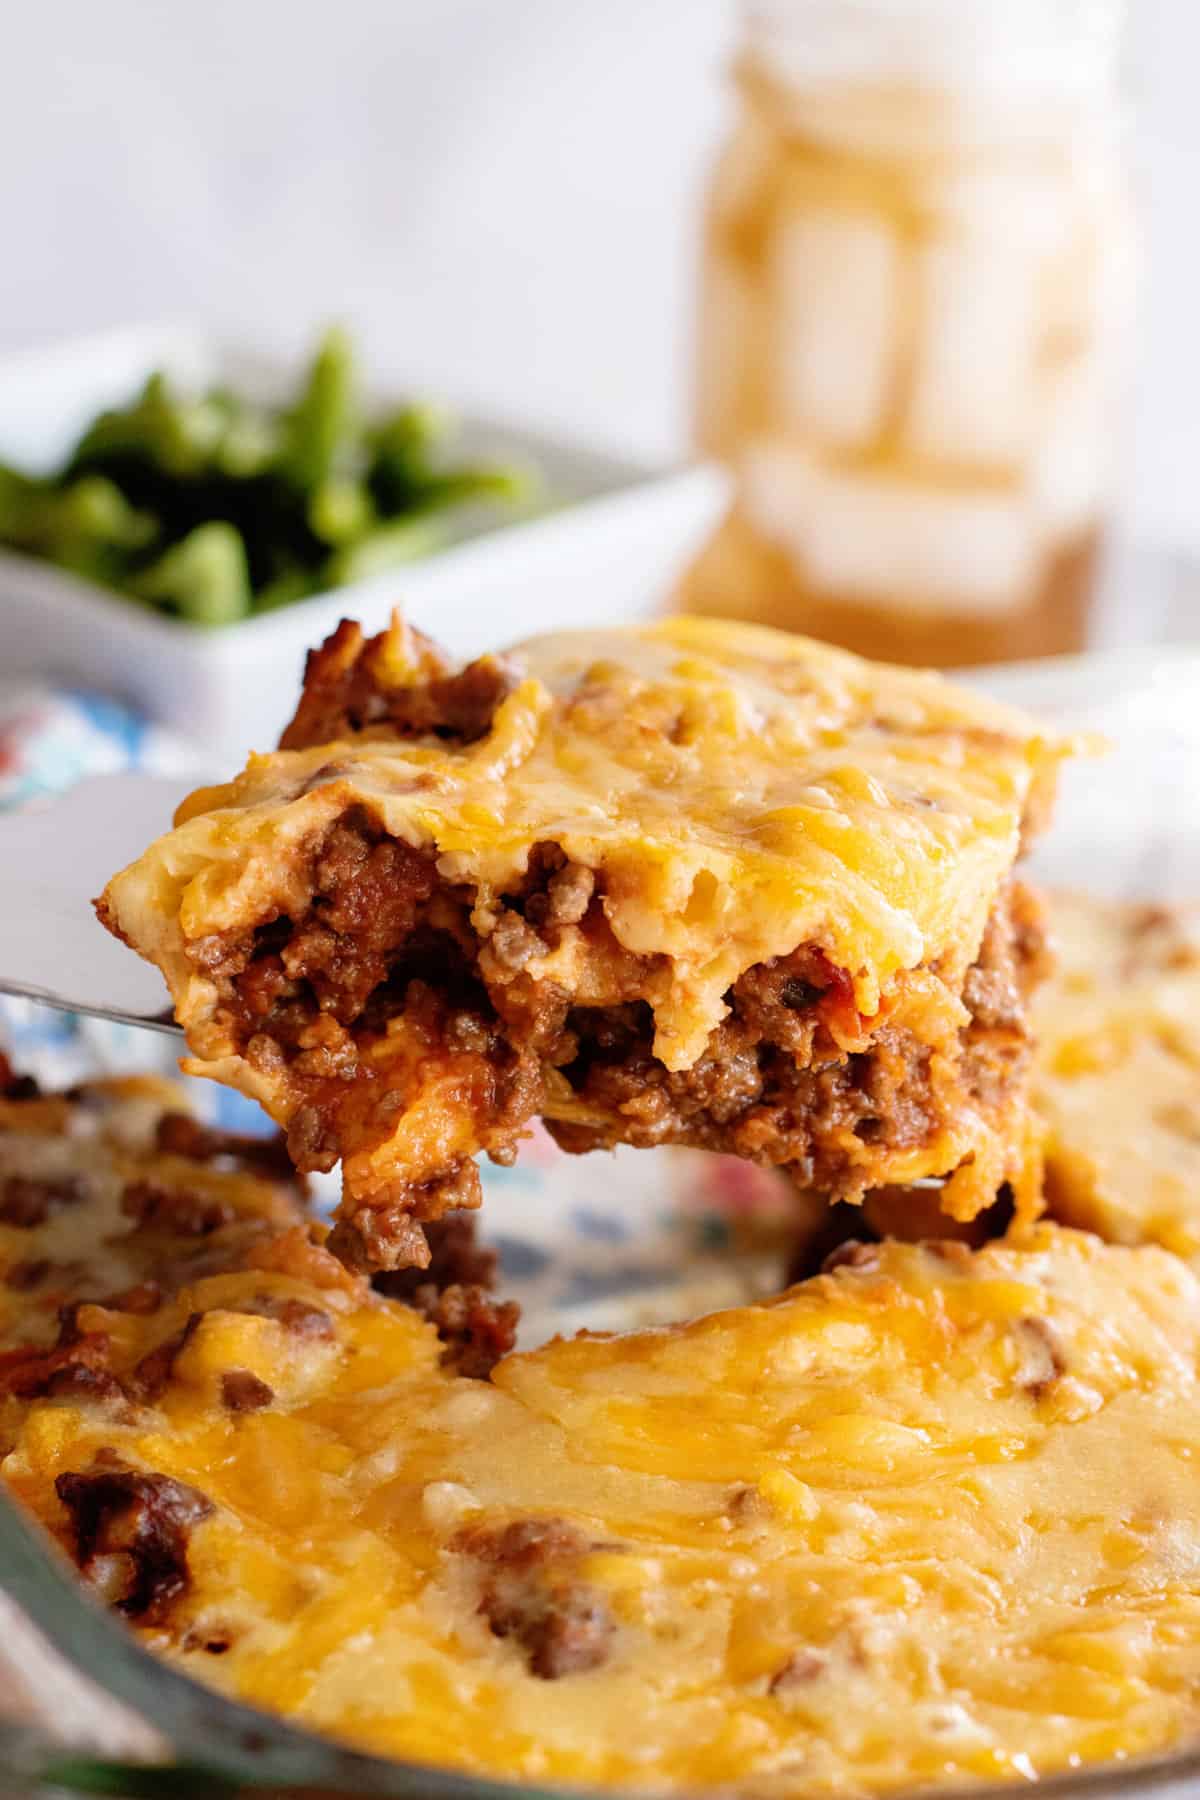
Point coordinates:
[(580, 1248)]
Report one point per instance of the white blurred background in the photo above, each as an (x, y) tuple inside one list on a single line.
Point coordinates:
[(502, 197)]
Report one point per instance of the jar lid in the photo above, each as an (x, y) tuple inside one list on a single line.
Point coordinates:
[(1027, 47)]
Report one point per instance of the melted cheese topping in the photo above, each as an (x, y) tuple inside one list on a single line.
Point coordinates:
[(884, 1531), (742, 791), (1118, 1082)]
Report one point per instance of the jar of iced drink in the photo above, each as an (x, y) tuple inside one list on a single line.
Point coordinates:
[(914, 323)]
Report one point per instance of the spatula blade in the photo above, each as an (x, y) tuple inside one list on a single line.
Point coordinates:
[(55, 857)]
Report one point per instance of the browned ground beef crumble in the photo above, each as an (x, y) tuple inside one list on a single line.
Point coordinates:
[(131, 1534), (14, 1086), (343, 694), (531, 1591), (455, 1293), (27, 1201), (179, 1134), (244, 1391)]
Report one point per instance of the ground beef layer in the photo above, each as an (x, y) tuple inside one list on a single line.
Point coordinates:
[(382, 995)]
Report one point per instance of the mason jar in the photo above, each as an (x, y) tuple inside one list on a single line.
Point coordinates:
[(915, 322)]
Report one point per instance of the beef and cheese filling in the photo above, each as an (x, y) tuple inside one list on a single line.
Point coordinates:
[(884, 1532), (684, 883)]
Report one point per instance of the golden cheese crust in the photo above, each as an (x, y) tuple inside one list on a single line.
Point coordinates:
[(1118, 1071), (885, 1531), (689, 804)]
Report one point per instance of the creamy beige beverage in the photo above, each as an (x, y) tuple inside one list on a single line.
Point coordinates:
[(914, 319)]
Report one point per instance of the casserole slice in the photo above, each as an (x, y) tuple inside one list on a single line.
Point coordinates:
[(683, 882)]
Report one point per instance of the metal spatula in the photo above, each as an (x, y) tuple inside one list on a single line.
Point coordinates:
[(54, 859)]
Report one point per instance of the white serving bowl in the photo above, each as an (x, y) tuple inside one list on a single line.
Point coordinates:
[(616, 536)]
